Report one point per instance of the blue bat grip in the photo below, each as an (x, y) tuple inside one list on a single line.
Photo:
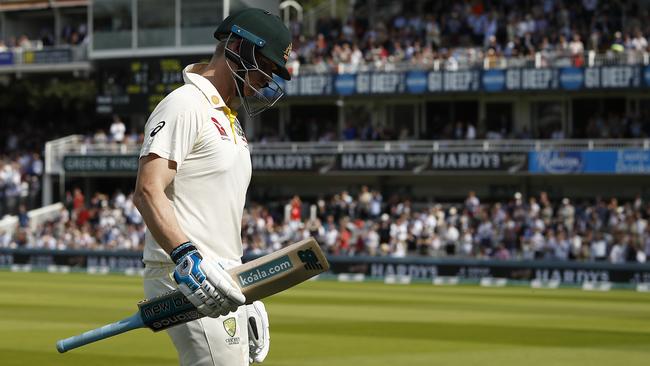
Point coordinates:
[(108, 330)]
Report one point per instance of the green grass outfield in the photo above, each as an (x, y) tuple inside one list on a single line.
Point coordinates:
[(329, 323)]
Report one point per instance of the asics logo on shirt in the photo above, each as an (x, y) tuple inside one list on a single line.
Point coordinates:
[(158, 127)]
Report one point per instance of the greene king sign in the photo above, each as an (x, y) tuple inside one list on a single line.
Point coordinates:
[(95, 163)]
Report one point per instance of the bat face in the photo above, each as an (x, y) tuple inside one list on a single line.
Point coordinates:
[(167, 310), (257, 279), (280, 270)]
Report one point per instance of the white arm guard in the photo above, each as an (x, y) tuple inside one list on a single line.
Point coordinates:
[(259, 338)]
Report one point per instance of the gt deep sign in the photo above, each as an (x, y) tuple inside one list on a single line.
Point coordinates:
[(475, 80)]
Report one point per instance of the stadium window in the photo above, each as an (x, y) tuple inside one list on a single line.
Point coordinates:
[(316, 123), (546, 119), (156, 21), (438, 121), (402, 121), (199, 19), (359, 123), (599, 117), (498, 119), (112, 24)]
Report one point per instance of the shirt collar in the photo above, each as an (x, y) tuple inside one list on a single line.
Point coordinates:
[(204, 85)]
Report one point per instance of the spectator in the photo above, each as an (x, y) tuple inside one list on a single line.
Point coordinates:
[(23, 218), (577, 49), (118, 130), (470, 134), (639, 42)]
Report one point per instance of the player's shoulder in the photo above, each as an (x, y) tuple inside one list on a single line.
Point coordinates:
[(183, 100)]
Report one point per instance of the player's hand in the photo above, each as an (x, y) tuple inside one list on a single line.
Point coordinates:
[(259, 339), (205, 283)]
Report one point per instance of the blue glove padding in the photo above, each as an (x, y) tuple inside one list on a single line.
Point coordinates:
[(205, 283)]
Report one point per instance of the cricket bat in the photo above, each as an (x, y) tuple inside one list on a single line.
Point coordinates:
[(257, 279)]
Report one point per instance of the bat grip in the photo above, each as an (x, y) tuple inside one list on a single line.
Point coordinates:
[(108, 330)]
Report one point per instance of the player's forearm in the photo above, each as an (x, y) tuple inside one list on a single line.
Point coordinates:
[(160, 218)]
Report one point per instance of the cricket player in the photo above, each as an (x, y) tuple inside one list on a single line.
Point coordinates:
[(194, 171)]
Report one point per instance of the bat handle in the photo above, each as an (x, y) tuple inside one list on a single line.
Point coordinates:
[(108, 330)]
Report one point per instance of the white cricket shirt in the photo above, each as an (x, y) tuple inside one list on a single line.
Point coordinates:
[(193, 127)]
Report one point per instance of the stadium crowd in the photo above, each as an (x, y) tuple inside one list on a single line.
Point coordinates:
[(450, 34), (467, 32), (522, 228), (100, 223), (20, 181), (367, 224)]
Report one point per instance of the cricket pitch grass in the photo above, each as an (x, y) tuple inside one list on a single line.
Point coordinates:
[(328, 323)]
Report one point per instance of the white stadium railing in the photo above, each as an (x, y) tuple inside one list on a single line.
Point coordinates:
[(37, 58), (472, 58)]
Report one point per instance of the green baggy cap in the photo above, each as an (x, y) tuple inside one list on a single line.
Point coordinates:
[(265, 30)]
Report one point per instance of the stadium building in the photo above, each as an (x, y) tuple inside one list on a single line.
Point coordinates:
[(422, 101), (425, 144), (418, 127)]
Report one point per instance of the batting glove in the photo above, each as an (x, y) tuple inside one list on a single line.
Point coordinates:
[(205, 283), (259, 339)]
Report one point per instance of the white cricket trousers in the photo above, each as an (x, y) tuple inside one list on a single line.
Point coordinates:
[(206, 341)]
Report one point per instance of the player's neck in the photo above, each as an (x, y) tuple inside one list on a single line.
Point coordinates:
[(218, 73)]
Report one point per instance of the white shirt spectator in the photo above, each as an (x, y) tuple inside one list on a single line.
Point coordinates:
[(576, 245), (537, 241), (372, 241), (435, 243), (417, 227), (399, 230), (640, 256), (431, 221), (576, 46), (599, 248), (639, 43), (640, 226), (375, 204), (617, 255), (37, 166), (471, 132), (452, 234), (562, 249), (5, 239), (466, 244), (331, 234), (400, 250), (118, 129)]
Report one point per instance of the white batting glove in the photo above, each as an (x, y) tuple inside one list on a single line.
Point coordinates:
[(205, 283), (259, 338)]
